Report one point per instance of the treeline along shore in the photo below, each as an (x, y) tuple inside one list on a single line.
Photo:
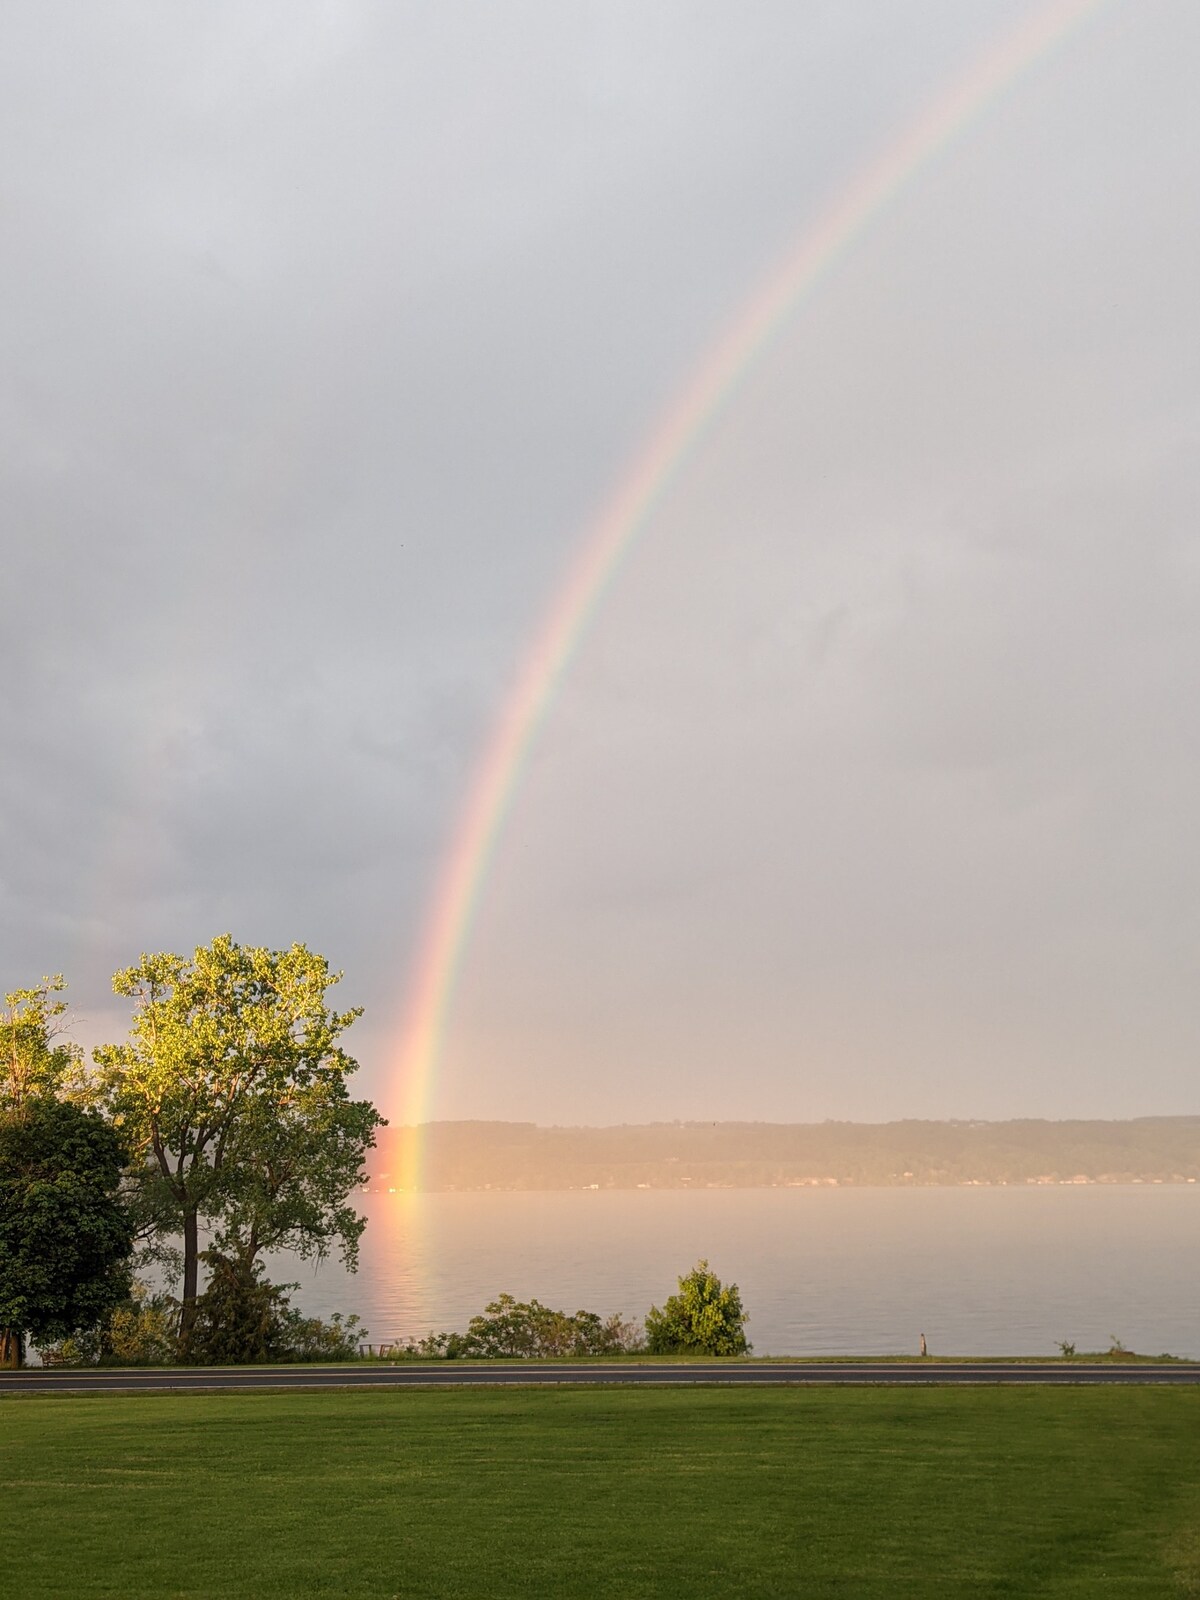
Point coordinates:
[(753, 1155)]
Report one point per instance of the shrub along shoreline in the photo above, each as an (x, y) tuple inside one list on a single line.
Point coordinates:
[(248, 1321)]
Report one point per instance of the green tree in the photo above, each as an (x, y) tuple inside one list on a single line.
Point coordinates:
[(232, 1086), (703, 1319), (35, 1058), (295, 1162), (66, 1234), (241, 1317)]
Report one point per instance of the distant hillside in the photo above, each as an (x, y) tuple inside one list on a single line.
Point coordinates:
[(752, 1155)]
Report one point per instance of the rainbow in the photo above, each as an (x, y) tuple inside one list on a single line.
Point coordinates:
[(609, 540)]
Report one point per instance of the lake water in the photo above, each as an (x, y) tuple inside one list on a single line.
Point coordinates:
[(822, 1271)]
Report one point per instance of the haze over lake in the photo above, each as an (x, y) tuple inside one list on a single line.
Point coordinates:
[(822, 1271)]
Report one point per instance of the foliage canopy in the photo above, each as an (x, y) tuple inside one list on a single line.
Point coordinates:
[(704, 1318), (66, 1235), (35, 1058), (232, 1089)]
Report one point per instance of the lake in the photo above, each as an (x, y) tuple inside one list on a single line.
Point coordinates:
[(981, 1271)]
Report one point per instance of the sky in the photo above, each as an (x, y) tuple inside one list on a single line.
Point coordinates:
[(327, 330)]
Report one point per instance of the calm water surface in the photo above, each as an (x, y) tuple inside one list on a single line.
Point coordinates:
[(822, 1271)]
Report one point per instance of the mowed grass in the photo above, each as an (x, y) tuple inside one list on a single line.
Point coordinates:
[(583, 1492)]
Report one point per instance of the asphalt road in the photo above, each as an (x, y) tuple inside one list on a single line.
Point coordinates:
[(491, 1374)]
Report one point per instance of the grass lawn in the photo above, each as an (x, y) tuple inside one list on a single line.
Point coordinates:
[(858, 1493)]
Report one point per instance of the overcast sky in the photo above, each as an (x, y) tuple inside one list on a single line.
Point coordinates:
[(326, 329)]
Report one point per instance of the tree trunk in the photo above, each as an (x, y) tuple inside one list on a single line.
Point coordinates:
[(12, 1348), (191, 1281)]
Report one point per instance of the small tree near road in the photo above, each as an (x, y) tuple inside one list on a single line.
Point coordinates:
[(703, 1319)]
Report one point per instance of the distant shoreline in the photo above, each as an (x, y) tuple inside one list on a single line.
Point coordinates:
[(475, 1156), (824, 1183)]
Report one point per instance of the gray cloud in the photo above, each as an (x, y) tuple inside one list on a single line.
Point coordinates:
[(325, 330)]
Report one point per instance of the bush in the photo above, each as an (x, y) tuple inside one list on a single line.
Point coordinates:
[(515, 1328), (511, 1329), (310, 1339), (434, 1347), (242, 1318), (703, 1319), (140, 1332)]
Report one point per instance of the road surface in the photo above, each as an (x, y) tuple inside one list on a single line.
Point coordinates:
[(490, 1374)]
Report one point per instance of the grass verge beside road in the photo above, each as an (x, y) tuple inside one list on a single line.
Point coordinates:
[(860, 1493)]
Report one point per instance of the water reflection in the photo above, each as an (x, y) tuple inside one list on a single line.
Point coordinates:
[(822, 1271)]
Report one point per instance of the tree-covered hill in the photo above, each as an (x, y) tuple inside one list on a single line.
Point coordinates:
[(521, 1155)]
